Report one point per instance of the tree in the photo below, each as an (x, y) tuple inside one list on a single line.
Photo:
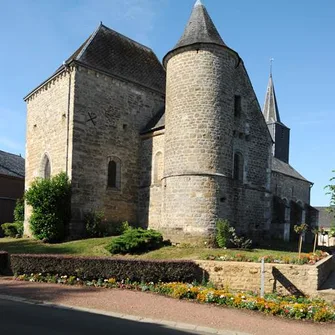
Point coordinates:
[(300, 229), (51, 200)]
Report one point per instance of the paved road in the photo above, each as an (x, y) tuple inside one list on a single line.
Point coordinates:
[(22, 318), (135, 306)]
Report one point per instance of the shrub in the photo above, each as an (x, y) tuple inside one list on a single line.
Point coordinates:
[(94, 268), (239, 241), (134, 241), (19, 210), (13, 229), (222, 233), (50, 199), (97, 226), (94, 224), (3, 262)]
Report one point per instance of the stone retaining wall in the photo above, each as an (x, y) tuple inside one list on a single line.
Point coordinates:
[(281, 278)]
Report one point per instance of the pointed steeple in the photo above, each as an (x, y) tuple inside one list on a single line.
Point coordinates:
[(200, 28), (279, 132), (270, 109)]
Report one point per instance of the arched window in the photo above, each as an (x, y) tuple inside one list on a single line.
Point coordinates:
[(238, 166), (158, 168), (46, 167), (114, 173)]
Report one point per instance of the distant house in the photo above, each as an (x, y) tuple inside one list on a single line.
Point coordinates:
[(326, 221), (11, 184)]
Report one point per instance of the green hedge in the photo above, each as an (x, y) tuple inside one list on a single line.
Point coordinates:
[(3, 262), (95, 268)]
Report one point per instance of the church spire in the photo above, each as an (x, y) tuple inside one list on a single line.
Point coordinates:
[(270, 109), (200, 28), (279, 132)]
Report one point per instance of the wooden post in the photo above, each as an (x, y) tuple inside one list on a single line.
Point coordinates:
[(315, 240), (262, 277), (300, 245)]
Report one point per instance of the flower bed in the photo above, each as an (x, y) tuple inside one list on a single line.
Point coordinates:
[(311, 258), (285, 306)]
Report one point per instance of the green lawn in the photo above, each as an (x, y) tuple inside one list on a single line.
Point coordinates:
[(89, 247), (95, 247)]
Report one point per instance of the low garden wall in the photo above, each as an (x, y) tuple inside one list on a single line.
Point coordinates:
[(280, 278), (242, 276)]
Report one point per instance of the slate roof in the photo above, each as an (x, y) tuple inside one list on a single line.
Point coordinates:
[(200, 29), (116, 54), (157, 122), (11, 165), (270, 109), (286, 169), (326, 219)]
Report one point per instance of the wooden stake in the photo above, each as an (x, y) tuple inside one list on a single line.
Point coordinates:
[(315, 240), (300, 245)]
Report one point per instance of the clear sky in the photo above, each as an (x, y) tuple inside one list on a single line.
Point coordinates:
[(37, 35)]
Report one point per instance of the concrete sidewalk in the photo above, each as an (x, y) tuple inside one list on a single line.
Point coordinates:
[(146, 307)]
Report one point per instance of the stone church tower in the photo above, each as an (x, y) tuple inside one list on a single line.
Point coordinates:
[(172, 146), (216, 146)]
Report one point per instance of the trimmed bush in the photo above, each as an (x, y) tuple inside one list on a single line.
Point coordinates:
[(94, 268), (13, 229), (50, 199), (136, 241), (3, 262)]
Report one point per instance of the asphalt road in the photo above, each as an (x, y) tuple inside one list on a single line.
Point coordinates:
[(22, 318)]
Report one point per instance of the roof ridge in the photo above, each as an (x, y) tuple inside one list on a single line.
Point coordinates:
[(88, 42), (128, 38), (10, 153)]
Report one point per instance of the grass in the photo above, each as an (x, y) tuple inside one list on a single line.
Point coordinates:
[(89, 247), (96, 247)]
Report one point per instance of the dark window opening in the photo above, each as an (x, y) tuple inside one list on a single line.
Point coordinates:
[(238, 167), (237, 105), (112, 174), (47, 168)]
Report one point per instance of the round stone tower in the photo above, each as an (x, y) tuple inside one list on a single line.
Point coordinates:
[(199, 121)]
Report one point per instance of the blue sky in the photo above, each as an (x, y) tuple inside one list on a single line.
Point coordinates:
[(37, 35)]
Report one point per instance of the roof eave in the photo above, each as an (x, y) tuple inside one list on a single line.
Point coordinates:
[(165, 59), (60, 70)]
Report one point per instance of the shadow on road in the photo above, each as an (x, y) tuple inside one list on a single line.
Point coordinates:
[(48, 293), (21, 318)]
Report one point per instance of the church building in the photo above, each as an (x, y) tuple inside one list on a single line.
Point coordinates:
[(171, 146)]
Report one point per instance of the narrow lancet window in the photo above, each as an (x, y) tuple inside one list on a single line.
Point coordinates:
[(112, 174), (238, 166)]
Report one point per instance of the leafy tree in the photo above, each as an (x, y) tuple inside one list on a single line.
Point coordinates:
[(50, 199)]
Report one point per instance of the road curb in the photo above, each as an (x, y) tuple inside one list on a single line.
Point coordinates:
[(169, 324)]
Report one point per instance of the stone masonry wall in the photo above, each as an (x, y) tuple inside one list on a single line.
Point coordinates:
[(152, 169), (109, 115), (281, 278), (290, 188), (46, 134), (198, 137), (201, 136)]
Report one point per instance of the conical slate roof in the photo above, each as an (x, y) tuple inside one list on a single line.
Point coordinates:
[(200, 28), (270, 109)]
